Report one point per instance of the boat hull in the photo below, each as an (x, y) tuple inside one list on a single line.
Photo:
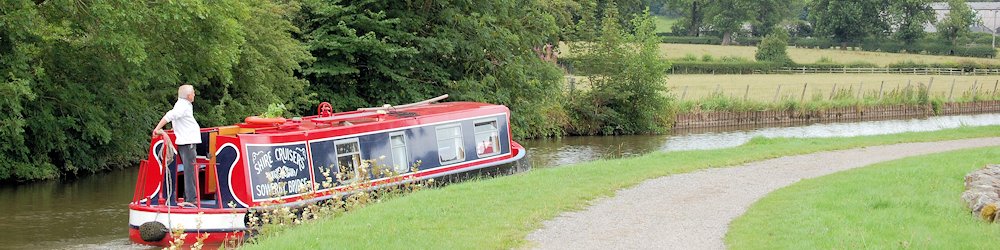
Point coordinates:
[(216, 227)]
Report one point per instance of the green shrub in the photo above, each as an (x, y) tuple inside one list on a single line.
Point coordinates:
[(773, 48)]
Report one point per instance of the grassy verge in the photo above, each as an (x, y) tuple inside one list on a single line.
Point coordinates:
[(663, 24), (499, 213), (908, 203)]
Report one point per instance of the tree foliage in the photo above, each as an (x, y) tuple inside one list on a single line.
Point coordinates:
[(728, 17), (773, 48), (847, 21), (84, 82), (909, 17), (628, 94), (373, 52), (960, 17)]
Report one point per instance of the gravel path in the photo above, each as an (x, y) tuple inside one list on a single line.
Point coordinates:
[(693, 210)]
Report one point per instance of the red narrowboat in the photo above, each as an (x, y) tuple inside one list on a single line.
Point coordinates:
[(262, 163)]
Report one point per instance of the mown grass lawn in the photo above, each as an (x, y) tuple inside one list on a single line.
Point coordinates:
[(498, 213), (908, 203)]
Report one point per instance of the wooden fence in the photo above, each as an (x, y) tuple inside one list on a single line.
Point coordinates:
[(756, 119), (913, 71)]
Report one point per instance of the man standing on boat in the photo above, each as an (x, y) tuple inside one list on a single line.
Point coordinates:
[(188, 135)]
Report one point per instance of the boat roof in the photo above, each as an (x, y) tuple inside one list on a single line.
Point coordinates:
[(378, 118)]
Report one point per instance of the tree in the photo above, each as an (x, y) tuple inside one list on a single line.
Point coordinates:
[(847, 21), (628, 93), (692, 14), (960, 17), (728, 17), (909, 18), (93, 78), (372, 52), (767, 14)]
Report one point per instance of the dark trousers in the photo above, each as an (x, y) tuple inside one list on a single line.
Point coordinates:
[(188, 158)]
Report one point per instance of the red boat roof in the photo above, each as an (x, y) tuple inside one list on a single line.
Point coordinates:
[(380, 118)]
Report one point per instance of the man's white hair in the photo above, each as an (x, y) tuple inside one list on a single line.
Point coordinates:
[(184, 91)]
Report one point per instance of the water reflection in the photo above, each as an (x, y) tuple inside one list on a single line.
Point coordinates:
[(86, 213), (562, 151)]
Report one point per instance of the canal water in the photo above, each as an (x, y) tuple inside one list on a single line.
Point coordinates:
[(91, 213)]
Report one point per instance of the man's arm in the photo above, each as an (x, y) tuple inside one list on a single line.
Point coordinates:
[(163, 121), (159, 127)]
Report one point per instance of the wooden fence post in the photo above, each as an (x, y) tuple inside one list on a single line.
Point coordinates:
[(995, 87), (746, 93), (880, 87), (931, 83), (803, 97), (975, 90), (952, 91), (778, 91), (861, 85)]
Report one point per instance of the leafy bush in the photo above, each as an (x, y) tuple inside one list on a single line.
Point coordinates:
[(274, 110), (628, 94), (773, 48)]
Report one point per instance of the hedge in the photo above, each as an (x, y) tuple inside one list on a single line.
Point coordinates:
[(723, 67), (929, 47), (691, 39)]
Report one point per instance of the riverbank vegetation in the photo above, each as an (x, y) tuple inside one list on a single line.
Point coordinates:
[(498, 213), (907, 203)]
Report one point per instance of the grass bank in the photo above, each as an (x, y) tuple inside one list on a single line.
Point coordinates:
[(907, 203), (498, 213), (766, 87)]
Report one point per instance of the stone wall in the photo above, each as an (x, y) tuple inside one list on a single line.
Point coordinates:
[(982, 192)]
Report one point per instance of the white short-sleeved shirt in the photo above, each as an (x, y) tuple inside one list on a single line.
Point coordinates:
[(185, 127)]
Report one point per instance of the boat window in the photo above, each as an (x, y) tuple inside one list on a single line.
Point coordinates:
[(397, 141), (487, 138), (449, 139), (348, 159)]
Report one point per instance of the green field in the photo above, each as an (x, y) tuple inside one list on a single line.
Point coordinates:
[(765, 87), (663, 24), (908, 203), (811, 55), (498, 213)]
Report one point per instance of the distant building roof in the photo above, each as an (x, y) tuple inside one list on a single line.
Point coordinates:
[(986, 12)]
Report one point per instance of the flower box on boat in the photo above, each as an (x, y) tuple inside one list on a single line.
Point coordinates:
[(257, 164)]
